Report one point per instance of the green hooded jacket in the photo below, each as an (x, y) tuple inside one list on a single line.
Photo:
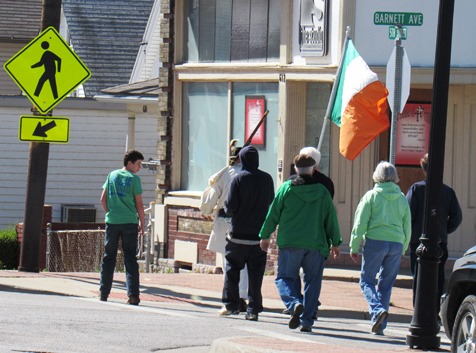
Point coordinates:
[(382, 214), (306, 217)]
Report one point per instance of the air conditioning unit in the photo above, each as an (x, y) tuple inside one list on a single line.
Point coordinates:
[(72, 213)]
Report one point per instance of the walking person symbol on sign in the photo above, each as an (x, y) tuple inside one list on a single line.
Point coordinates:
[(48, 60)]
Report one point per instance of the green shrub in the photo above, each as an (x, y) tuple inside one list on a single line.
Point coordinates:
[(8, 249)]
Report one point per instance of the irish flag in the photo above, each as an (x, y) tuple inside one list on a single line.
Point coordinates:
[(360, 105)]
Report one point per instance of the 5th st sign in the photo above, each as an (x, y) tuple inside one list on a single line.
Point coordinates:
[(44, 129)]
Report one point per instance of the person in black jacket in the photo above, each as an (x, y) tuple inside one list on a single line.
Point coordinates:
[(451, 217), (250, 195)]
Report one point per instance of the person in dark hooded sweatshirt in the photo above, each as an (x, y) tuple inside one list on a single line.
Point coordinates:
[(251, 192), (308, 233)]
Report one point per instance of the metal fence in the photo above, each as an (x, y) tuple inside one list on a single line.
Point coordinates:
[(77, 251)]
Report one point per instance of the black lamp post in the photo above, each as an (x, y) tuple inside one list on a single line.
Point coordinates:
[(424, 326)]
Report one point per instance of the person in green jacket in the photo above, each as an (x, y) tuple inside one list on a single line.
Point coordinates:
[(383, 220), (308, 232)]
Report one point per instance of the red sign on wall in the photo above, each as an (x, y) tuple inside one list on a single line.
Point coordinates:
[(255, 106), (413, 133)]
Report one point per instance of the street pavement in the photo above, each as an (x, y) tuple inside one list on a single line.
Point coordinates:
[(340, 296)]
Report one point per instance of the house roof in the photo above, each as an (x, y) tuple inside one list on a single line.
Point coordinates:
[(149, 88), (20, 21), (106, 35)]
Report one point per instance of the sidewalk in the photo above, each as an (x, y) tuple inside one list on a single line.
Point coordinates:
[(341, 298)]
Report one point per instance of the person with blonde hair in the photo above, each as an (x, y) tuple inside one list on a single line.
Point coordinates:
[(212, 203), (383, 221)]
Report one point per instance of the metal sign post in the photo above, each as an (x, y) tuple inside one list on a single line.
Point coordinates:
[(398, 86)]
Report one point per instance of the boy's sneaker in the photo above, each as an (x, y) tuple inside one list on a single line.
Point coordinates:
[(227, 312), (306, 329), (295, 317), (133, 300)]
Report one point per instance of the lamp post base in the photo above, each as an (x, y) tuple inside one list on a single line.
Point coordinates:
[(423, 342)]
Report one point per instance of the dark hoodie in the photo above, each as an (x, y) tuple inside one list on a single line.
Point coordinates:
[(251, 193)]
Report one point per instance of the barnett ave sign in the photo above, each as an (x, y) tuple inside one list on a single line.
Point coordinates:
[(398, 18)]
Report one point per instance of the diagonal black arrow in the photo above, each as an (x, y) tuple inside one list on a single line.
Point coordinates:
[(41, 130)]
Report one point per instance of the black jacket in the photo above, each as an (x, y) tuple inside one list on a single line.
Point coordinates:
[(320, 178), (451, 215), (251, 193)]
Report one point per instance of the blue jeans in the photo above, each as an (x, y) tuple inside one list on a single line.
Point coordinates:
[(290, 260), (382, 258), (128, 234)]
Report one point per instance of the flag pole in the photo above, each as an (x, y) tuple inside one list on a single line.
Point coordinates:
[(334, 89)]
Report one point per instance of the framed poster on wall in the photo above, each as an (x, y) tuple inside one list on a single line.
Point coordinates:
[(412, 133), (255, 106)]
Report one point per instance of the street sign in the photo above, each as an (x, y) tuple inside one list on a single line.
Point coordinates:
[(405, 70), (47, 70), (398, 18), (44, 129), (395, 32)]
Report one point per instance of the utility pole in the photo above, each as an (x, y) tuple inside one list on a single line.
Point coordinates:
[(37, 171), (424, 326)]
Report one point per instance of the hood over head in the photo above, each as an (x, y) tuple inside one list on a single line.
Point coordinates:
[(389, 190), (249, 158)]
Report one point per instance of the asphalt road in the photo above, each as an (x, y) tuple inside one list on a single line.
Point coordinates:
[(33, 321)]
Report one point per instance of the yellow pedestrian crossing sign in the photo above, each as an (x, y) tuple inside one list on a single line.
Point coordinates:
[(47, 70), (44, 129)]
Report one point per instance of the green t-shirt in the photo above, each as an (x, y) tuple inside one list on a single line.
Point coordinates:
[(122, 186)]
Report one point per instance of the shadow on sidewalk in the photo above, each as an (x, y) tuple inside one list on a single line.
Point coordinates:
[(13, 289)]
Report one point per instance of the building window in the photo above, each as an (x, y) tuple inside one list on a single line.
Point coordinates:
[(205, 128), (317, 99), (232, 30)]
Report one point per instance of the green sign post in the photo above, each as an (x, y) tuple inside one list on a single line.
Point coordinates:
[(398, 18), (395, 32)]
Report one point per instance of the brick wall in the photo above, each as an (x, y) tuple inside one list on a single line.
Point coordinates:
[(187, 224)]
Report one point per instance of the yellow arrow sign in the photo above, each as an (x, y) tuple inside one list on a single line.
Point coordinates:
[(47, 70), (44, 129)]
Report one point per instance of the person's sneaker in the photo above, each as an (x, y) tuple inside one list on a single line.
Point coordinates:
[(295, 317), (103, 298), (378, 333), (243, 306), (379, 319), (306, 329), (251, 317), (227, 312), (133, 300), (286, 311)]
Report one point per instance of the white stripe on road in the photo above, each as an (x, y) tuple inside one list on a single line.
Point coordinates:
[(273, 334), (141, 308)]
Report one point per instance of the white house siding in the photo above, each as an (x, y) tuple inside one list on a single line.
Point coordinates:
[(77, 170), (7, 50)]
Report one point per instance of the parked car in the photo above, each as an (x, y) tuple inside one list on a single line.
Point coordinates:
[(458, 307)]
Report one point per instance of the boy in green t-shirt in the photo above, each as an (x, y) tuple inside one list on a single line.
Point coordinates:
[(121, 199)]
